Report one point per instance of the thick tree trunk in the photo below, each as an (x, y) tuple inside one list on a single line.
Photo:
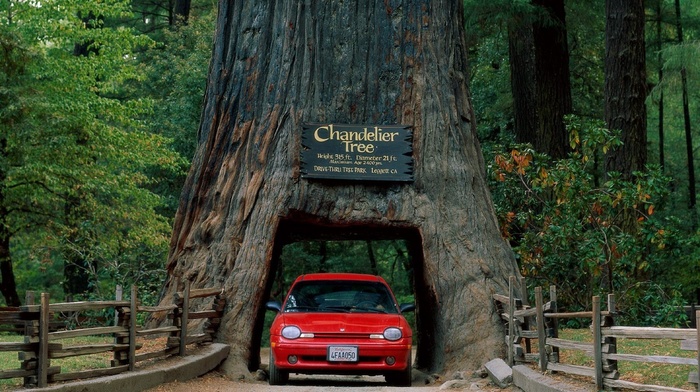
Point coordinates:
[(552, 79), (625, 84), (278, 64)]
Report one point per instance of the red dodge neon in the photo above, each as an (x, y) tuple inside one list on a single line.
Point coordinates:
[(339, 323)]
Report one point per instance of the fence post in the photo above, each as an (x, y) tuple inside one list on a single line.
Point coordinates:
[(541, 335), (183, 318), (697, 323), (29, 297), (610, 343), (511, 319), (118, 296), (29, 325), (597, 344), (527, 320), (132, 327), (554, 321), (43, 357)]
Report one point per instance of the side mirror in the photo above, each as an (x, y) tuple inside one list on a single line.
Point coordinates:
[(274, 305), (407, 307)]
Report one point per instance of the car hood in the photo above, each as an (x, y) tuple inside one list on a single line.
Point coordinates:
[(343, 322)]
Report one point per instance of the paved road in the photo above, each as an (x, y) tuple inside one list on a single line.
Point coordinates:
[(215, 382)]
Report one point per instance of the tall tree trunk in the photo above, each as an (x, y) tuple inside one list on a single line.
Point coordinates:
[(522, 68), (625, 95), (279, 64), (686, 120), (625, 84), (659, 47), (552, 79), (8, 285)]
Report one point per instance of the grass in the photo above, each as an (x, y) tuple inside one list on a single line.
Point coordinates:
[(668, 375)]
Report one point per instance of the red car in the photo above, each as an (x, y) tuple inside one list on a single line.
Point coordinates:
[(340, 323)]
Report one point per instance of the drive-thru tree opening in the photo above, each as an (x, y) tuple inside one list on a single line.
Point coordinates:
[(404, 276), (397, 68)]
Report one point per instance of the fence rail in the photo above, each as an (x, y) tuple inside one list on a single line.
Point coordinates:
[(526, 324), (43, 327)]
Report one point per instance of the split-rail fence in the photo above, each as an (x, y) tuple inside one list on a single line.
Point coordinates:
[(540, 324), (44, 328)]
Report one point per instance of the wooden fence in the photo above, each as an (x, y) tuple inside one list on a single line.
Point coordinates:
[(42, 325), (540, 324)]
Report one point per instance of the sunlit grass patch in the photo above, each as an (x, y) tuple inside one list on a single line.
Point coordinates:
[(669, 375)]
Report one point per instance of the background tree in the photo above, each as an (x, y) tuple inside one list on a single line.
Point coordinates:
[(495, 114), (551, 78), (625, 84), (686, 115), (276, 65)]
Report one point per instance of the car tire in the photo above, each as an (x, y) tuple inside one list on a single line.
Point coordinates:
[(401, 378), (277, 376)]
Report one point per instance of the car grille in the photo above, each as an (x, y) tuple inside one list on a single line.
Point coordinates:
[(362, 359), (341, 335)]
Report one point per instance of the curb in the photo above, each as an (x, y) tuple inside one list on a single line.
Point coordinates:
[(532, 381), (182, 369)]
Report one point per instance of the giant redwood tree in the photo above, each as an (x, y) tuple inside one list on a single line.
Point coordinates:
[(278, 65)]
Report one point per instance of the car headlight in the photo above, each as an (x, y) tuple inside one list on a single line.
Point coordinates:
[(291, 332), (392, 334)]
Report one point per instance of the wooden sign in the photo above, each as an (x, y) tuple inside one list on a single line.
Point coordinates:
[(357, 152)]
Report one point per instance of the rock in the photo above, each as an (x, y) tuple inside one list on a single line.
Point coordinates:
[(455, 384), (500, 373)]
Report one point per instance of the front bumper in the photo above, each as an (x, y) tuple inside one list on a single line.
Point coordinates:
[(374, 357)]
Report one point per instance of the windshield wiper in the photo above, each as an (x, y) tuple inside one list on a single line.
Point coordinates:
[(369, 310), (301, 308), (343, 309)]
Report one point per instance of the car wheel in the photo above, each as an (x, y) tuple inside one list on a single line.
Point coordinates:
[(277, 376), (401, 378)]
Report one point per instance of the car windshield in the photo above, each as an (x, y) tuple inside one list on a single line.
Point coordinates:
[(340, 296)]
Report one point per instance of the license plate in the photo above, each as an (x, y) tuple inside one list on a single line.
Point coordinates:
[(342, 353)]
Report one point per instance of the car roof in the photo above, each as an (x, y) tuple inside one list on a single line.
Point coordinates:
[(340, 276)]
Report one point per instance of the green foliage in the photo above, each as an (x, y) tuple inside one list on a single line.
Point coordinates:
[(391, 261), (175, 72), (79, 161), (571, 228)]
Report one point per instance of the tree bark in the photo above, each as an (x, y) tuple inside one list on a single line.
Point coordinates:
[(181, 10), (625, 84), (552, 79), (521, 53), (8, 285), (660, 65), (686, 118), (279, 64)]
